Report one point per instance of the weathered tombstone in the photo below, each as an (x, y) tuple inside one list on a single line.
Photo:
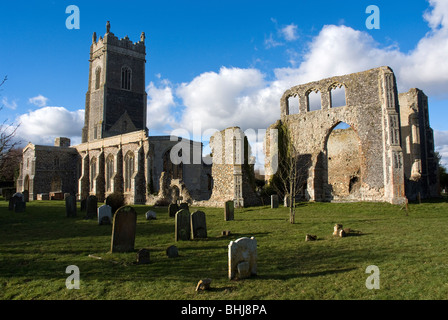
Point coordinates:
[(83, 204), (172, 209), (26, 195), (17, 197), (91, 207), (310, 237), (20, 206), (143, 256), (204, 284), (242, 258), (182, 225), (229, 210), (104, 214), (336, 229), (198, 225), (172, 252), (123, 230), (274, 201), (70, 206), (150, 215), (184, 205)]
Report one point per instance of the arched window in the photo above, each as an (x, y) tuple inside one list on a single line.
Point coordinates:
[(126, 75), (109, 172), (97, 78), (314, 100), (128, 170), (92, 172), (338, 95)]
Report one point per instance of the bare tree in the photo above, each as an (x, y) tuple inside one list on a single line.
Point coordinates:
[(292, 173), (7, 142)]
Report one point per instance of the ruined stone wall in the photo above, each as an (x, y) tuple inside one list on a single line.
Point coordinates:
[(371, 109), (420, 164)]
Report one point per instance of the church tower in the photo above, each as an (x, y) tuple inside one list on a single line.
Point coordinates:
[(116, 96)]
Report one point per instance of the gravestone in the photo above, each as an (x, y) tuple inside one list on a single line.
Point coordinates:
[(83, 204), (198, 225), (274, 201), (26, 195), (184, 205), (104, 214), (91, 207), (229, 210), (150, 215), (172, 252), (16, 198), (123, 230), (143, 256), (336, 229), (242, 258), (70, 206), (172, 209), (43, 196), (19, 206), (182, 225)]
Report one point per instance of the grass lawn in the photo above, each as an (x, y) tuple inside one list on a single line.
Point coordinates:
[(411, 252)]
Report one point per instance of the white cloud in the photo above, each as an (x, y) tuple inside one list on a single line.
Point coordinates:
[(10, 105), (271, 42), (43, 125), (441, 145), (160, 107), (39, 101), (289, 32)]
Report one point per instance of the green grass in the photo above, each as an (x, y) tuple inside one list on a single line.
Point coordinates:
[(410, 251)]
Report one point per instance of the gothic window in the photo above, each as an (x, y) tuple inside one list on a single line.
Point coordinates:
[(92, 172), (314, 100), (337, 93), (126, 75), (97, 78), (128, 170), (109, 172)]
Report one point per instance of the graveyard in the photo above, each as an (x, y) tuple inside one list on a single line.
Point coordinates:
[(407, 246)]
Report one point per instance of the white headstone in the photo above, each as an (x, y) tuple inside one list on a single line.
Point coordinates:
[(104, 214), (242, 258), (150, 215)]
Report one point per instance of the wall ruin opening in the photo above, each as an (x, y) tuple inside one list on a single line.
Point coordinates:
[(343, 163)]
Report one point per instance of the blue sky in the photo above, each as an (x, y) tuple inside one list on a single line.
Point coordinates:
[(239, 55)]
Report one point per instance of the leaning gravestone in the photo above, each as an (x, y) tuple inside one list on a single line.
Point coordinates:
[(198, 225), (172, 209), (70, 206), (242, 258), (91, 207), (123, 230), (229, 210), (274, 201), (182, 225), (104, 214)]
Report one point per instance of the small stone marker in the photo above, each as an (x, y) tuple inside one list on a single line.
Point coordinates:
[(150, 215), (204, 284), (336, 229), (91, 207), (143, 256), (104, 214), (172, 252), (274, 201), (310, 237), (172, 209), (242, 258), (123, 230), (198, 225), (182, 225), (70, 206), (229, 210)]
